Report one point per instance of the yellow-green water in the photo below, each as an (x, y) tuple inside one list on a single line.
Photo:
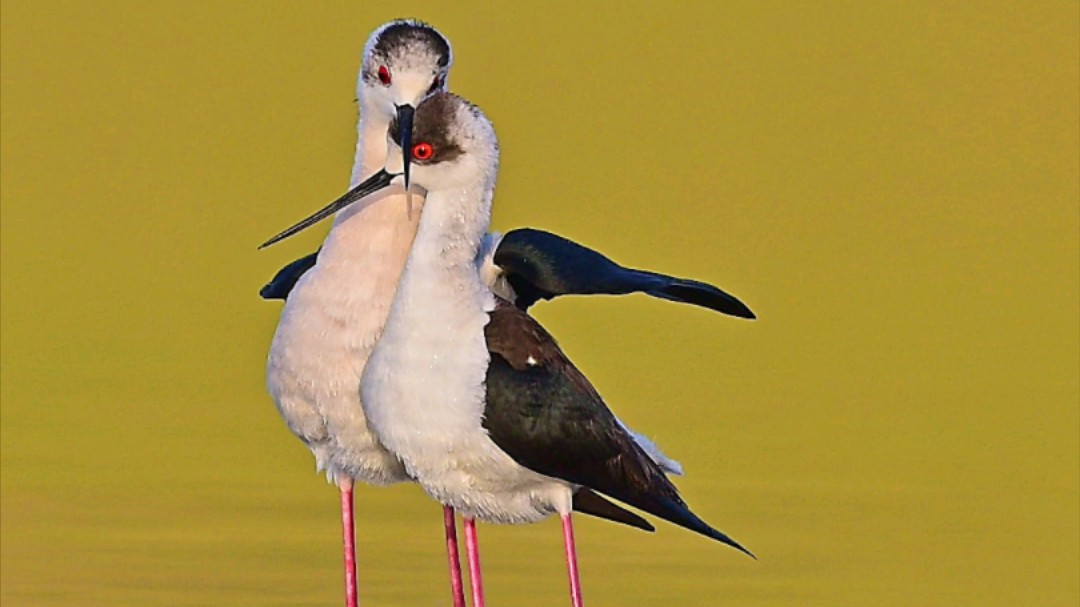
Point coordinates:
[(892, 186)]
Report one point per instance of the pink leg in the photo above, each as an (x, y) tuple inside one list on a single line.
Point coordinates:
[(473, 550), (348, 530), (456, 585), (571, 559)]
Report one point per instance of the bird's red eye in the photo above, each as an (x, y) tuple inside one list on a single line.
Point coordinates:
[(423, 151), (384, 75)]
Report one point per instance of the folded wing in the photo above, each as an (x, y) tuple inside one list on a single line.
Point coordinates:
[(547, 416)]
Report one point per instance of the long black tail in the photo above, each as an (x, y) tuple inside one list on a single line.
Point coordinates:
[(673, 510)]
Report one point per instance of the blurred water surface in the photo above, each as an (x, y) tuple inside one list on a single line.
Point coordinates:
[(893, 187)]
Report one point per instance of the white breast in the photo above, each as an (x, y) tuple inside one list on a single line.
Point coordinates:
[(423, 389), (330, 323)]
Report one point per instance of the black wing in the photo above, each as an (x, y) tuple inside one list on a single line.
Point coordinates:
[(542, 265), (545, 415), (284, 281)]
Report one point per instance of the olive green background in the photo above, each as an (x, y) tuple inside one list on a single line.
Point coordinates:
[(891, 186)]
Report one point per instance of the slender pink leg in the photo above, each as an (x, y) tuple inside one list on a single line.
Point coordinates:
[(571, 559), (348, 530), (456, 585), (472, 548)]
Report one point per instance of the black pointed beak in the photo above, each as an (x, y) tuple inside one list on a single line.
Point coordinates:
[(405, 120), (371, 185)]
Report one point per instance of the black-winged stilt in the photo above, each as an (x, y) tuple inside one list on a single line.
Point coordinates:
[(477, 400)]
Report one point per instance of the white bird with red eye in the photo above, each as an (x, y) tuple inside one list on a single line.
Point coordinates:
[(337, 310)]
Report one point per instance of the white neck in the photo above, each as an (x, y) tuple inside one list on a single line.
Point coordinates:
[(426, 374), (370, 143), (452, 229)]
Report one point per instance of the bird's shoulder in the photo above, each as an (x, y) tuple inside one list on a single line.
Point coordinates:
[(525, 345)]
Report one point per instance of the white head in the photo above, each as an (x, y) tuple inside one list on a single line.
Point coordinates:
[(453, 146), (454, 149), (404, 62)]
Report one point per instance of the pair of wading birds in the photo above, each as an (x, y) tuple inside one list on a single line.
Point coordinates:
[(404, 351)]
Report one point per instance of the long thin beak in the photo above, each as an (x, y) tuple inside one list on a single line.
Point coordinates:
[(405, 120), (371, 185)]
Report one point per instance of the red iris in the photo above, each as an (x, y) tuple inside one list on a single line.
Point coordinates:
[(384, 75), (423, 151)]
